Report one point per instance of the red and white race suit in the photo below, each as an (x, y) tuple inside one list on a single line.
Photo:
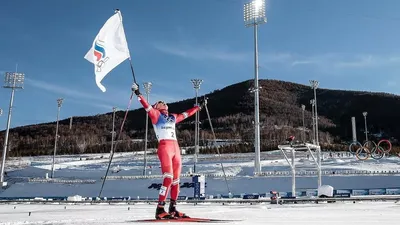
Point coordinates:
[(168, 149)]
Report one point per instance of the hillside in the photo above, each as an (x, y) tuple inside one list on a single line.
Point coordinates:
[(231, 110)]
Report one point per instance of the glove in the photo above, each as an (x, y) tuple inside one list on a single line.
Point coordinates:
[(135, 89), (202, 103)]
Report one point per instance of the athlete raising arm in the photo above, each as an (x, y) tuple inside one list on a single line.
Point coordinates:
[(168, 150)]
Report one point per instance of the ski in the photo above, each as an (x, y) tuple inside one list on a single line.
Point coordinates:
[(193, 220)]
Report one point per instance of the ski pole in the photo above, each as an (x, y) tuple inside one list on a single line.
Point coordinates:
[(215, 141)]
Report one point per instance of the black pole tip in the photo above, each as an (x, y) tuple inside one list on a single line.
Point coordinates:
[(116, 10)]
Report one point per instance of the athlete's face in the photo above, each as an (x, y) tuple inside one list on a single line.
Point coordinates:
[(161, 106)]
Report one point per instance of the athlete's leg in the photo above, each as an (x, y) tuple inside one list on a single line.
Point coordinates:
[(165, 154), (176, 168)]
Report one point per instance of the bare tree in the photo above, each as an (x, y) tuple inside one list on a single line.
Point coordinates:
[(82, 146)]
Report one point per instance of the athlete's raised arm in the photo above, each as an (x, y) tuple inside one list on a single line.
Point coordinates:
[(153, 114), (190, 112)]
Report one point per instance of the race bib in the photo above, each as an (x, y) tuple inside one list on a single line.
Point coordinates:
[(165, 128)]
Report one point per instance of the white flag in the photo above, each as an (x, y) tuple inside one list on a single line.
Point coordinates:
[(109, 48)]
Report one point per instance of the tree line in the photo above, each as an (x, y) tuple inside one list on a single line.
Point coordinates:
[(232, 117)]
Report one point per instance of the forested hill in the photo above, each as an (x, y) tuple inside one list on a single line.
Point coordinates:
[(232, 113)]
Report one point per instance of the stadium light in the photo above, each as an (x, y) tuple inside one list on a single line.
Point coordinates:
[(147, 88), (312, 103), (254, 15), (365, 122), (196, 85), (113, 130), (303, 107), (314, 86), (14, 81), (59, 104)]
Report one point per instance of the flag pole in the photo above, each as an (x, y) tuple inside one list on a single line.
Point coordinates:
[(133, 73), (116, 143), (130, 60), (123, 121)]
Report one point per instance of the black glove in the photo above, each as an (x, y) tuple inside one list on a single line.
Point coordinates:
[(135, 88), (202, 103)]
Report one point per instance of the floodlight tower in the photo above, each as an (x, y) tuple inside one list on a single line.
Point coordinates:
[(59, 104), (13, 81), (254, 15), (196, 85), (314, 86), (312, 103), (147, 88), (365, 122), (113, 130), (303, 107)]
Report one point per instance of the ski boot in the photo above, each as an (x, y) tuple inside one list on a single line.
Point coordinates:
[(161, 214), (175, 213)]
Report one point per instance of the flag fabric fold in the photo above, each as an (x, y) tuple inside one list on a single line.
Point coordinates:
[(109, 48)]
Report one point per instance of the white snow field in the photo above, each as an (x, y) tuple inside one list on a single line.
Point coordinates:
[(363, 213), (239, 168)]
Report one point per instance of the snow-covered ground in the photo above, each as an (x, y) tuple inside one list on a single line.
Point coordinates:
[(238, 166), (359, 213)]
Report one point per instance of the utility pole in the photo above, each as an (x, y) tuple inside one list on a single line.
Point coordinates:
[(254, 15), (113, 130), (365, 123), (196, 85), (314, 85), (59, 104), (312, 103), (303, 107), (13, 81), (147, 88)]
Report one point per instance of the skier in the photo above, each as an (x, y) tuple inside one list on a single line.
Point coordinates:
[(168, 151), (290, 139)]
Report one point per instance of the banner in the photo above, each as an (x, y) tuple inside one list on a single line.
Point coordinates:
[(360, 192), (393, 191), (341, 191), (378, 191), (109, 48), (311, 192)]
